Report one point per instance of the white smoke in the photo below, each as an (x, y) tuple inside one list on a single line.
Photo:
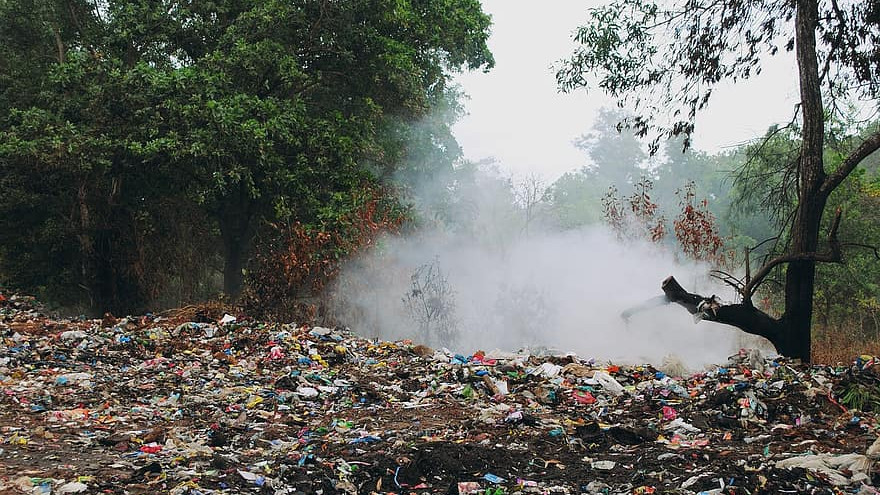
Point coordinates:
[(549, 289)]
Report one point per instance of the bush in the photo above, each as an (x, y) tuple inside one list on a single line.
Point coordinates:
[(294, 264)]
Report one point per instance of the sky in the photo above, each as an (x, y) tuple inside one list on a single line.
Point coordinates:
[(516, 115)]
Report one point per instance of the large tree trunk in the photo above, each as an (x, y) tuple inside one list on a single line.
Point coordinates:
[(233, 266), (236, 231), (800, 280), (800, 275), (110, 267)]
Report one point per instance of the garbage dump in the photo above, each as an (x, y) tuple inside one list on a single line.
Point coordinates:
[(193, 405)]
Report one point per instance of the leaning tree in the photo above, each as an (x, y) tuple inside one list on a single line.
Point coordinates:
[(663, 60)]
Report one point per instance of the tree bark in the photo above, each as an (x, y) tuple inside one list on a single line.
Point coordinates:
[(236, 231), (233, 276), (800, 275), (743, 316)]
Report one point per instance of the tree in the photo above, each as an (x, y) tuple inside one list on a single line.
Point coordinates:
[(574, 199), (635, 217), (529, 192), (696, 228), (665, 59), (615, 152), (615, 157), (430, 302), (70, 119), (244, 111)]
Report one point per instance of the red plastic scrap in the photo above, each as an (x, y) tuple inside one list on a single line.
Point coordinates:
[(583, 397)]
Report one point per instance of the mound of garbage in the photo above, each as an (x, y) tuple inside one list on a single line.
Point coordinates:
[(190, 404)]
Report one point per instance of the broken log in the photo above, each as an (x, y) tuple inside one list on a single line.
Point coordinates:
[(743, 316), (674, 292)]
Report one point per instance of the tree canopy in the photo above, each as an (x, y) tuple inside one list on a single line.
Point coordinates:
[(131, 126), (664, 59)]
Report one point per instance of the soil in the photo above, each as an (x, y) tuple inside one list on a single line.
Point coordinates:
[(152, 404)]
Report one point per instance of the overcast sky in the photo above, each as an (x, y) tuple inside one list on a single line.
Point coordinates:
[(516, 116)]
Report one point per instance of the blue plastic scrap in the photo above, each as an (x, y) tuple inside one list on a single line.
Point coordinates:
[(491, 478)]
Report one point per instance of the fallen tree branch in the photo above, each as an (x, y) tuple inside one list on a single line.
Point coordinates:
[(743, 316)]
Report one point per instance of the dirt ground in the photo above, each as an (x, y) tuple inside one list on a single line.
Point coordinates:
[(187, 404)]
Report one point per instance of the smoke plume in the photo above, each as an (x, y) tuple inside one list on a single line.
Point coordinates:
[(486, 282)]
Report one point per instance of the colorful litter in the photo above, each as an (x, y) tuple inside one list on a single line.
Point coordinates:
[(160, 403)]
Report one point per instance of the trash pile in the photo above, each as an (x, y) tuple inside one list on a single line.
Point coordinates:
[(231, 405)]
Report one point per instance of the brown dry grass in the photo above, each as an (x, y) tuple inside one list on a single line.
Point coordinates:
[(842, 344), (213, 309), (839, 345)]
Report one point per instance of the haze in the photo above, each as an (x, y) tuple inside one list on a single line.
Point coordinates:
[(516, 115), (541, 288)]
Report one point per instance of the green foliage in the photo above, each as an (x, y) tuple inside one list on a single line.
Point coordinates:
[(616, 154), (859, 393), (663, 59), (848, 293), (617, 159), (574, 199), (767, 178), (215, 117)]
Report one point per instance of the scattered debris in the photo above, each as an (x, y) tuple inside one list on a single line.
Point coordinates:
[(151, 403)]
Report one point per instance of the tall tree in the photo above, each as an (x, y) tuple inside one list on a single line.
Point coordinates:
[(664, 59), (615, 152), (616, 159), (574, 199), (243, 110)]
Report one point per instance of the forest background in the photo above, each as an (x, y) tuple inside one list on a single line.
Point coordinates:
[(154, 155)]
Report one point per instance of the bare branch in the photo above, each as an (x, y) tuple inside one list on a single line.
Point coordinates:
[(834, 255), (866, 246), (728, 279), (765, 241), (748, 265), (868, 146)]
